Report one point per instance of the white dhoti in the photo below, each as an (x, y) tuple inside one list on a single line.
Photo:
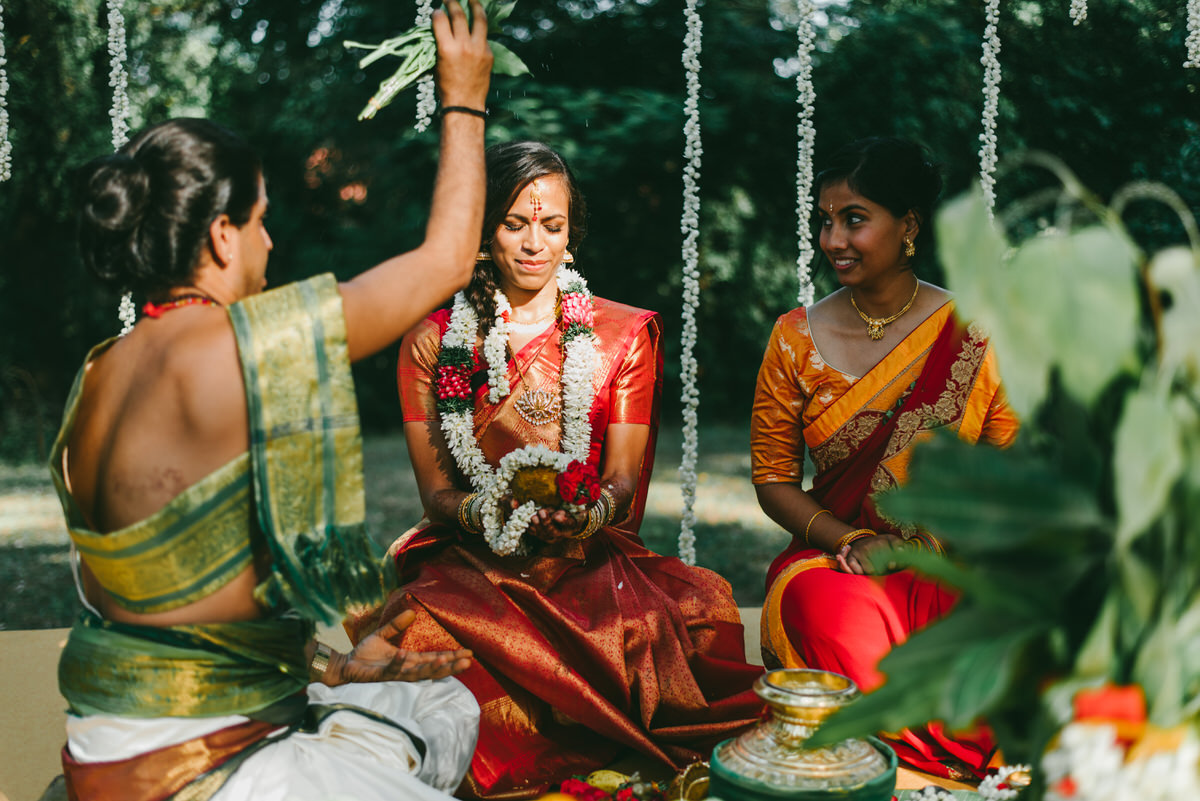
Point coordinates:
[(351, 757)]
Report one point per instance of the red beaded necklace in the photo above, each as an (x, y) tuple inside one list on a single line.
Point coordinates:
[(156, 310)]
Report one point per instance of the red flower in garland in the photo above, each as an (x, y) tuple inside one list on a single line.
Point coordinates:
[(580, 789), (578, 483), (577, 308)]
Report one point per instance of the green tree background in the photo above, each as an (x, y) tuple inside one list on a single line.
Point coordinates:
[(1111, 97)]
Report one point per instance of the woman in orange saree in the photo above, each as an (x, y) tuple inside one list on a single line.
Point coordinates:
[(913, 368), (586, 644)]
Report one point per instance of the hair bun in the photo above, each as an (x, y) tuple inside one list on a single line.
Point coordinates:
[(115, 192)]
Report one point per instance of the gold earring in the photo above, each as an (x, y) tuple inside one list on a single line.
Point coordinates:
[(483, 255), (910, 249), (568, 258)]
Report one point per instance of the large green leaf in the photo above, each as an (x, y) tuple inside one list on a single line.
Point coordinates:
[(1147, 461), (955, 670), (1065, 300), (982, 498)]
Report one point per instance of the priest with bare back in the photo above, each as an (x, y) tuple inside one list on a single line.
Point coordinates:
[(210, 470)]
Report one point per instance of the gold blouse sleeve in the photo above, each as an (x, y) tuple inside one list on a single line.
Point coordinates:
[(776, 424)]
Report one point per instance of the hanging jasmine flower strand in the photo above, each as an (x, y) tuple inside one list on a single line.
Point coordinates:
[(118, 78), (690, 227), (1078, 11), (5, 144), (991, 103), (1193, 36), (426, 96), (806, 135)]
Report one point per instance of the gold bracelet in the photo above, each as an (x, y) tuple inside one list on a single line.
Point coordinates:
[(847, 539), (320, 661), (810, 522)]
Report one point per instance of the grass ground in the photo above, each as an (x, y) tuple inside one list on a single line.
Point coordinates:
[(733, 537)]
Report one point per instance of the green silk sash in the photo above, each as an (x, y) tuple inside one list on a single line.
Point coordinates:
[(182, 671), (306, 451)]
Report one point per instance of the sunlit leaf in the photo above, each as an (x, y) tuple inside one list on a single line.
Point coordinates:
[(506, 62), (1175, 273), (1147, 461), (1064, 299), (1097, 656)]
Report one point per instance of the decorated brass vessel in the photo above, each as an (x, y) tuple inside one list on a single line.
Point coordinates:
[(771, 762)]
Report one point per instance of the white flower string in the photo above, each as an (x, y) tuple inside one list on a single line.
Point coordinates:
[(495, 349), (690, 227), (426, 96), (456, 407), (1089, 763), (1000, 786), (1078, 11), (806, 135), (991, 103), (932, 793), (118, 78), (5, 144), (126, 313), (1193, 36)]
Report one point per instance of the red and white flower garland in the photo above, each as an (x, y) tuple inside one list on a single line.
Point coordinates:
[(456, 408)]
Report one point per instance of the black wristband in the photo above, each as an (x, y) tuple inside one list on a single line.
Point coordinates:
[(474, 112)]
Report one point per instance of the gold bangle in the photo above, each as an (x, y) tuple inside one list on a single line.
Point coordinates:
[(808, 528), (847, 539), (610, 506), (469, 518), (320, 661)]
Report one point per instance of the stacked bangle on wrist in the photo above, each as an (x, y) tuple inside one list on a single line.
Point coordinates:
[(851, 537), (470, 513), (808, 528), (600, 514), (320, 662)]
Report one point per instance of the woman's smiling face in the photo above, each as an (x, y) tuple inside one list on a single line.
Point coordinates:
[(862, 240), (529, 244)]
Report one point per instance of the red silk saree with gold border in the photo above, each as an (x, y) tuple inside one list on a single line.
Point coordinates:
[(860, 432), (583, 649)]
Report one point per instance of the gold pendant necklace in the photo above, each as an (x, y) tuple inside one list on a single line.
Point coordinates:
[(875, 324), (537, 406)]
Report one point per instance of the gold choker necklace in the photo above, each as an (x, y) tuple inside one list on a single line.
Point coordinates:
[(875, 324)]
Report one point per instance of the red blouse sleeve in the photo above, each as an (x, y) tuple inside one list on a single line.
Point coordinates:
[(637, 384), (414, 372)]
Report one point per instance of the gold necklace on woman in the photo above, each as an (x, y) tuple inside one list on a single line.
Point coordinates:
[(875, 324)]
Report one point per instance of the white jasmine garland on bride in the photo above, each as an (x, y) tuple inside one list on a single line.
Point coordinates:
[(456, 406)]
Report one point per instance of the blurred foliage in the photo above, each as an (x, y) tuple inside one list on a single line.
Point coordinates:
[(1076, 551), (607, 88)]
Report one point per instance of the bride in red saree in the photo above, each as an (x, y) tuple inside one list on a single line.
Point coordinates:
[(858, 378), (585, 643)]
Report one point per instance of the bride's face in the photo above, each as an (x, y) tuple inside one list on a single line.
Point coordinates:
[(529, 244)]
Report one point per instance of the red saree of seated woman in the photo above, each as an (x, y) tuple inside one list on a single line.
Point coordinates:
[(860, 432), (584, 648)]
